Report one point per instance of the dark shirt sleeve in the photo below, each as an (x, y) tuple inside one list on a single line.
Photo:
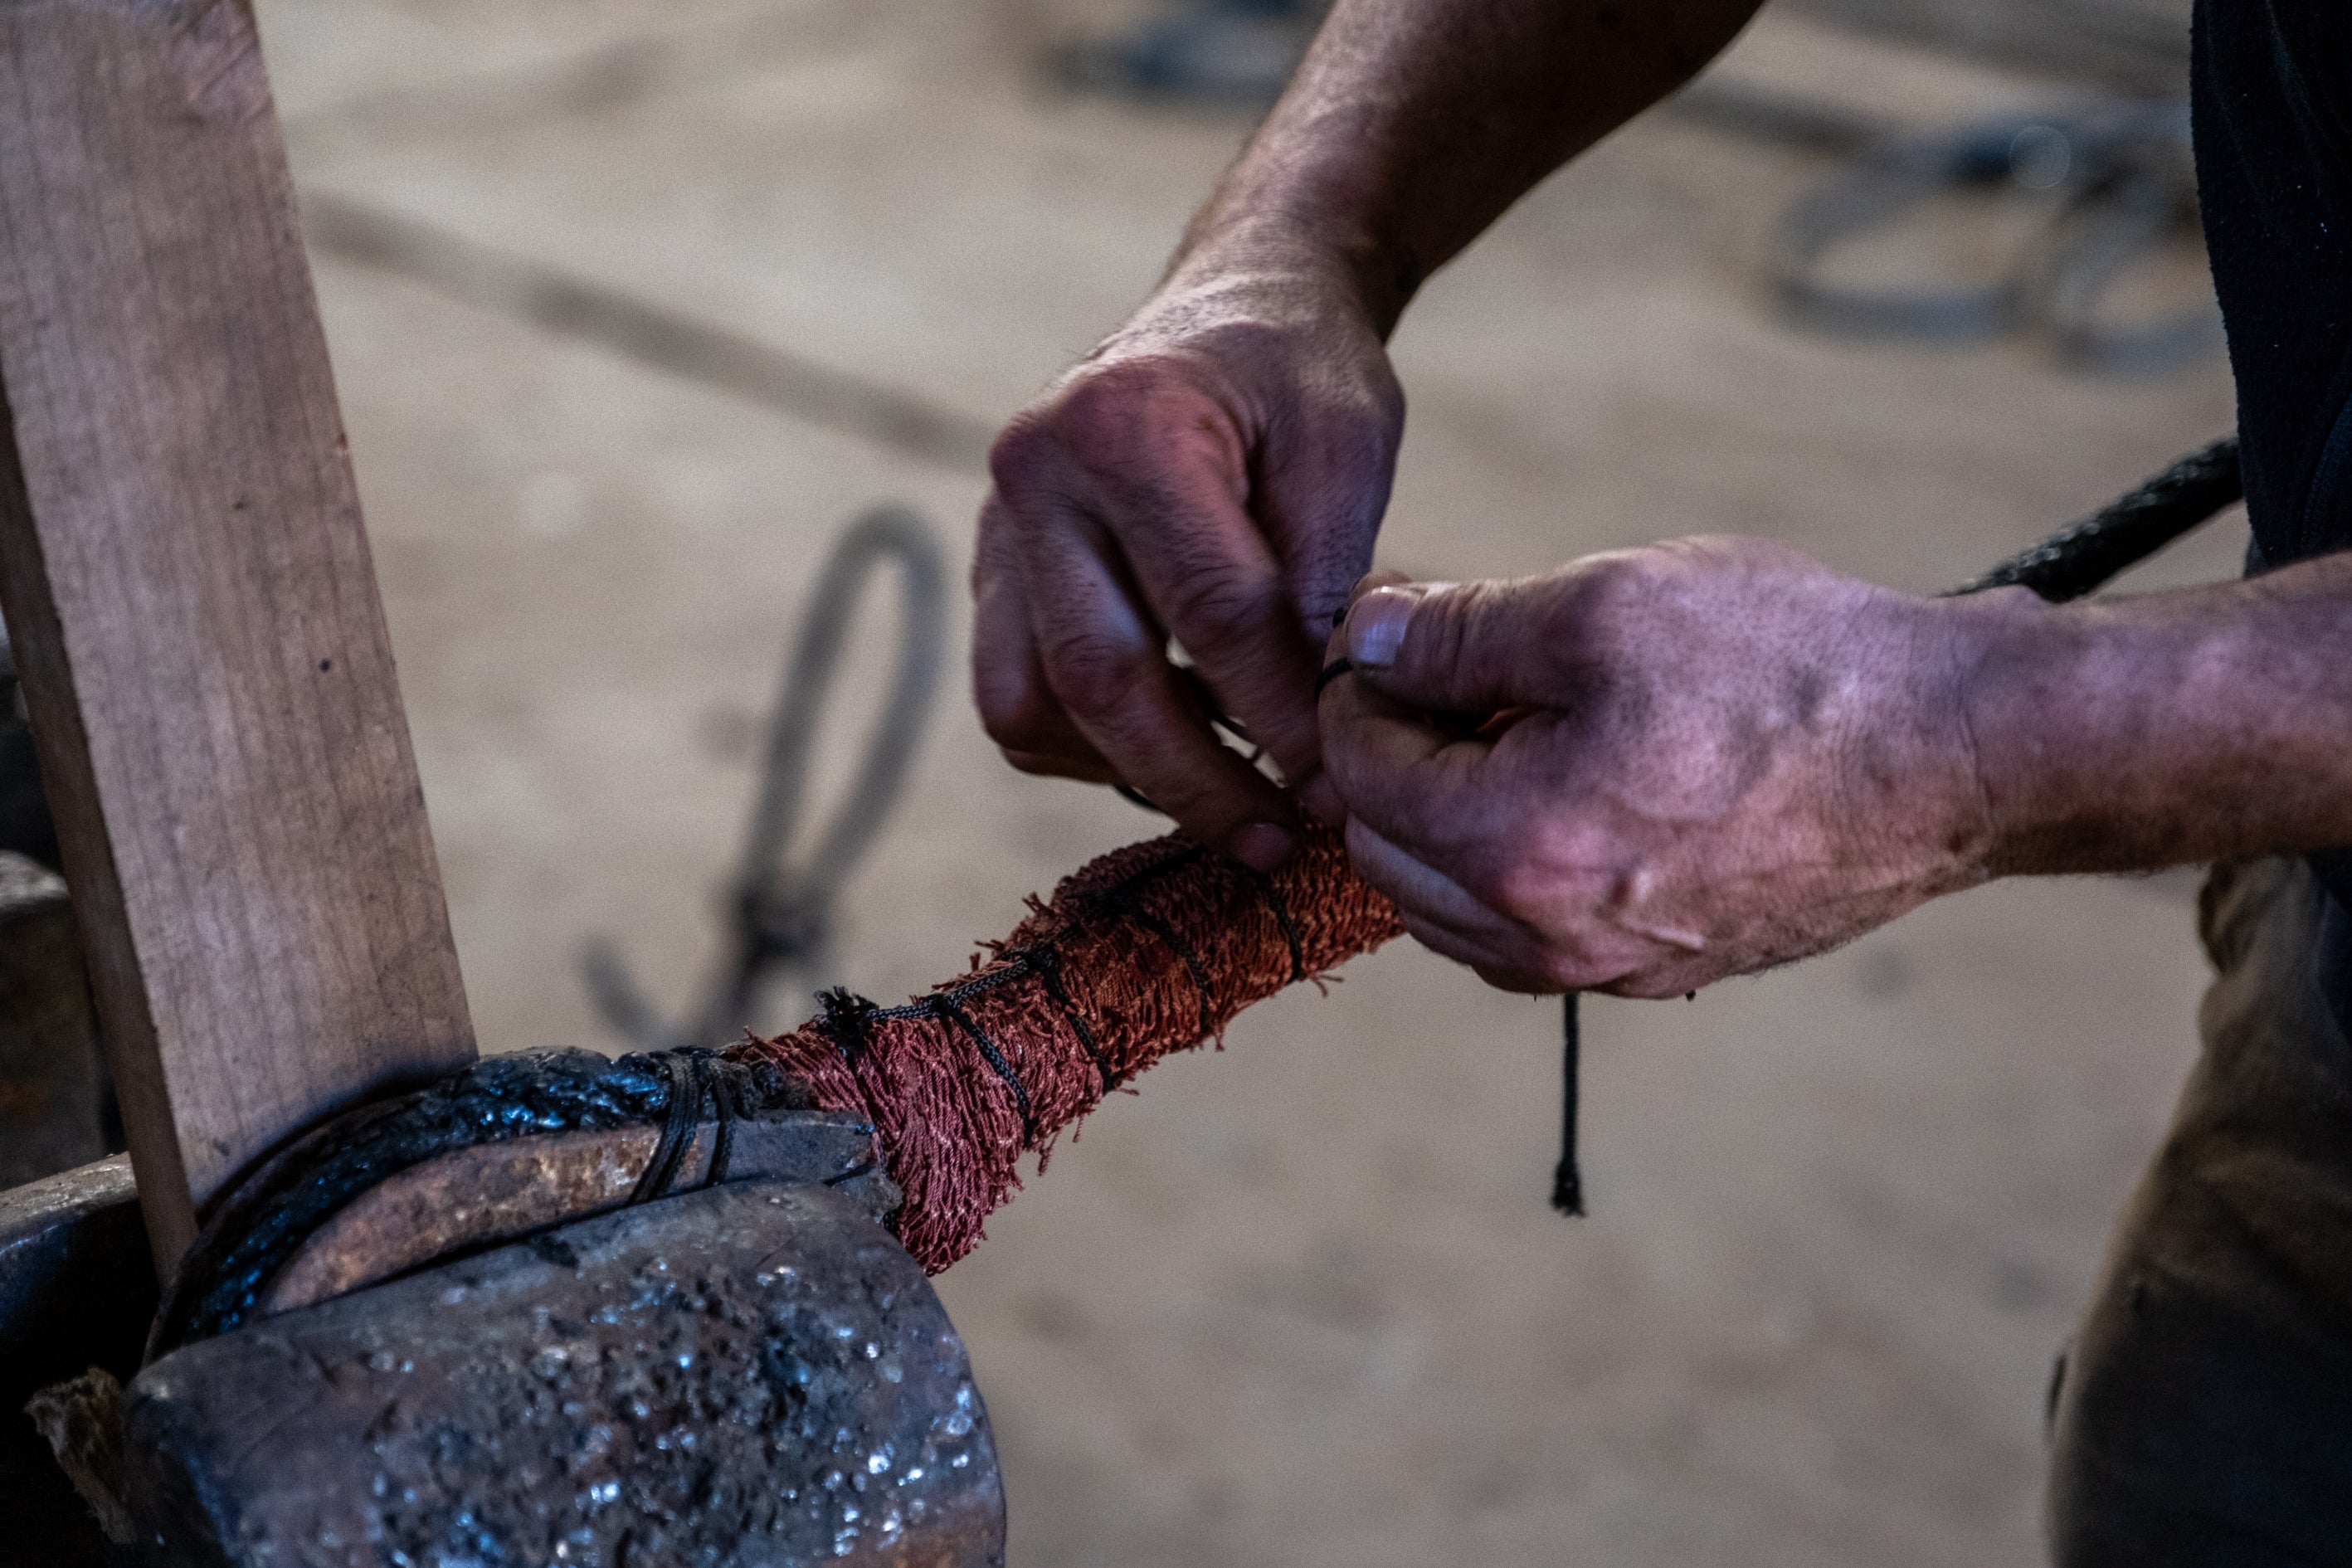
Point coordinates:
[(2273, 88)]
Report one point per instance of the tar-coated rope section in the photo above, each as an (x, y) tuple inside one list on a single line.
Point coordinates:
[(2080, 559)]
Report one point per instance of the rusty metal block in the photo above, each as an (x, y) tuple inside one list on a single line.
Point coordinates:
[(752, 1375)]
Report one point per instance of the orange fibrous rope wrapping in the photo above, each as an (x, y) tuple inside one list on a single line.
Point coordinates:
[(1149, 950)]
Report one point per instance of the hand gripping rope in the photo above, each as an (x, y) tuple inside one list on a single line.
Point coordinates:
[(1151, 949)]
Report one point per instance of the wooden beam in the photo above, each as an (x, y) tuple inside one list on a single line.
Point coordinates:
[(193, 604)]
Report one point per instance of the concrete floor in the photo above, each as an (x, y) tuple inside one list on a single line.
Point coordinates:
[(1300, 1302)]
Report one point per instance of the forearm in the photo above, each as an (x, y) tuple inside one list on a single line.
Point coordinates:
[(1411, 126), (2170, 729)]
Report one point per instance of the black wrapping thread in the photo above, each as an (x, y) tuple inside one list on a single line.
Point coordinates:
[(1274, 901), (1121, 900), (696, 1080), (970, 1025), (1046, 964), (1568, 1176), (679, 1117), (722, 1087), (1333, 670), (268, 1217)]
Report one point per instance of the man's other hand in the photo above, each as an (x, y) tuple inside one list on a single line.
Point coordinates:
[(1215, 472), (1650, 770)]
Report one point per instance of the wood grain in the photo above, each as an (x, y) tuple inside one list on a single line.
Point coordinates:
[(193, 604)]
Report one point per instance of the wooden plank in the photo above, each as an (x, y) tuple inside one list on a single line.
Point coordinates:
[(193, 604)]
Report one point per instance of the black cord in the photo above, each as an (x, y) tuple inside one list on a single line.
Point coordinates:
[(947, 1008), (1047, 965), (2070, 564), (1122, 902), (2078, 560), (1567, 1178), (1290, 937), (721, 1089), (680, 1115)]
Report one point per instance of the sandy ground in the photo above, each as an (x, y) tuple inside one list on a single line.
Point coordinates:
[(1299, 1302)]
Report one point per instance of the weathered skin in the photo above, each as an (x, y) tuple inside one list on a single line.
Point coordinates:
[(1717, 755), (1821, 754)]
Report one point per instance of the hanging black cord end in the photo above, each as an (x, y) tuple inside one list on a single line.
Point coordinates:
[(1567, 1178)]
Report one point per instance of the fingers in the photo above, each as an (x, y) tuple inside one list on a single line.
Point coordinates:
[(1463, 648), (1441, 821), (1172, 488), (1017, 707), (1102, 654), (1213, 474), (1422, 890), (1322, 507), (1416, 782), (1448, 920)]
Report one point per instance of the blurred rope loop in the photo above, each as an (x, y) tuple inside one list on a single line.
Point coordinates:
[(781, 906), (2116, 179)]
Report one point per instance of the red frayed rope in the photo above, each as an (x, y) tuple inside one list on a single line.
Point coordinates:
[(1149, 950)]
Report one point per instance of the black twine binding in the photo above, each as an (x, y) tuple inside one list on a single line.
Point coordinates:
[(947, 1008), (722, 1147), (1121, 901), (681, 1116), (1567, 1177), (1274, 901), (1331, 672), (848, 1018), (1046, 964)]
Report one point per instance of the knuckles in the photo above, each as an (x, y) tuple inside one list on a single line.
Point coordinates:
[(1210, 606), (1600, 605), (1102, 418), (1015, 715), (1522, 891), (1096, 673)]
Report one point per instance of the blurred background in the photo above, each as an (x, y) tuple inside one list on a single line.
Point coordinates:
[(635, 303)]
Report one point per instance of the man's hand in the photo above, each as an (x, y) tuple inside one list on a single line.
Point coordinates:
[(1215, 472), (1650, 770)]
